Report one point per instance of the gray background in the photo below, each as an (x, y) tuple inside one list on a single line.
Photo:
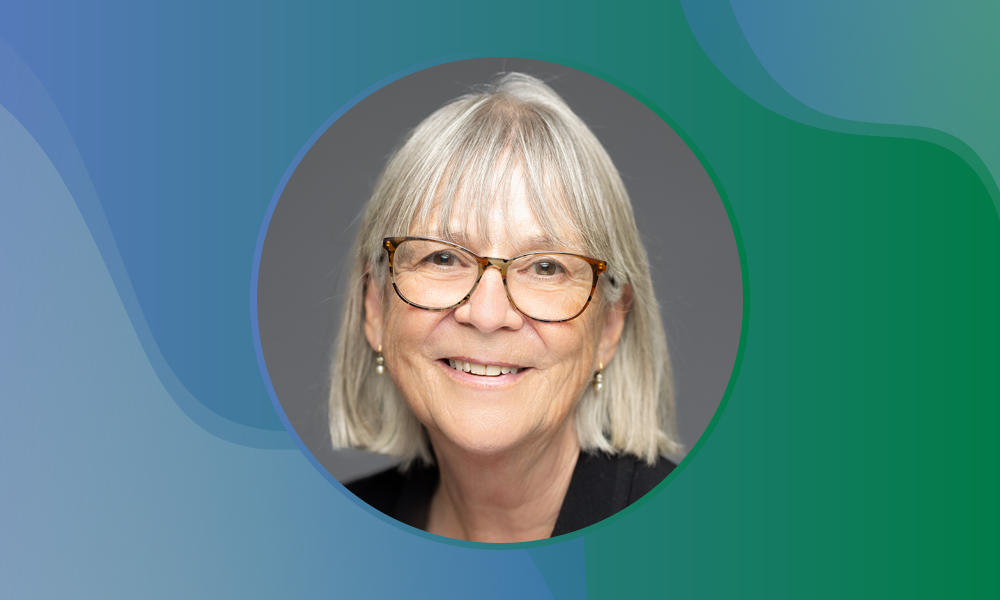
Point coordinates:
[(683, 224)]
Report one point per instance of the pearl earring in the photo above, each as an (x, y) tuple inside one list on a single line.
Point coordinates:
[(598, 381)]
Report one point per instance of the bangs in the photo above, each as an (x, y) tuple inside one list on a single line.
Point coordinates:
[(462, 171)]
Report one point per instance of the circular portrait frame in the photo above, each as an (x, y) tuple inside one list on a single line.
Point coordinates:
[(300, 269)]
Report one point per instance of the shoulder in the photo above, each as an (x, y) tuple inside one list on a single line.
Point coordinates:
[(623, 477), (380, 491), (603, 484), (645, 477), (402, 495)]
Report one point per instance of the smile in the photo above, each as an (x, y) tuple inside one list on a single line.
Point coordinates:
[(482, 370)]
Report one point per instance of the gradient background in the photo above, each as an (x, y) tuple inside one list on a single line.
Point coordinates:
[(857, 145)]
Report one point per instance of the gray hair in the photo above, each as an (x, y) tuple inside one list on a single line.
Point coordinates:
[(468, 151)]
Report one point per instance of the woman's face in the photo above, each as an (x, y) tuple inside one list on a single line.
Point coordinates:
[(487, 414)]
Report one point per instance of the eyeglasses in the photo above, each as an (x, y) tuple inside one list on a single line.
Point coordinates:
[(550, 287)]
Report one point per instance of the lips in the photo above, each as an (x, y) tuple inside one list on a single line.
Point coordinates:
[(483, 370)]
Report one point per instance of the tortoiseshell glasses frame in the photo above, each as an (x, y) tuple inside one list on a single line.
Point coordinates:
[(391, 244)]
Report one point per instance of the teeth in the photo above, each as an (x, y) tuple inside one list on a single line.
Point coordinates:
[(484, 370)]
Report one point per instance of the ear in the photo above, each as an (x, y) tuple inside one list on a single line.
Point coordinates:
[(614, 324), (374, 318)]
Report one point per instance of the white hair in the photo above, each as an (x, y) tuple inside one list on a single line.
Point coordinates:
[(474, 145)]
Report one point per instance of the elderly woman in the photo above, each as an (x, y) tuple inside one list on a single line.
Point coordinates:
[(501, 336)]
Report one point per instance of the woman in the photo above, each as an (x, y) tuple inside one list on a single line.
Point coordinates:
[(527, 395)]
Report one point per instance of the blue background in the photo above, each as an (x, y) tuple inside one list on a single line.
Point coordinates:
[(857, 144)]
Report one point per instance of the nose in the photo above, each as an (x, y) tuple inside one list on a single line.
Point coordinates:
[(489, 309)]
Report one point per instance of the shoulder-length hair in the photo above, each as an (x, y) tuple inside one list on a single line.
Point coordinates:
[(466, 154)]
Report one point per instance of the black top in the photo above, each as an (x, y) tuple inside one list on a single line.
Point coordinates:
[(601, 486)]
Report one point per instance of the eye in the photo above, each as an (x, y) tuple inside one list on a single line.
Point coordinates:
[(547, 268), (443, 259)]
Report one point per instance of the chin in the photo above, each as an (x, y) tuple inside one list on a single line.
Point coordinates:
[(485, 435)]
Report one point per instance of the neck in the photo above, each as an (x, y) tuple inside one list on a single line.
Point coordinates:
[(510, 496)]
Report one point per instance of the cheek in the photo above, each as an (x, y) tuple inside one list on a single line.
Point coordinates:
[(572, 352), (408, 334), (573, 349), (400, 345), (399, 337), (406, 326)]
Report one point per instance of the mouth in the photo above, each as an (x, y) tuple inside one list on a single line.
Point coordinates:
[(481, 369)]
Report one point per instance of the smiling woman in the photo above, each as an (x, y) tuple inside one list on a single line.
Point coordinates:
[(481, 353), (528, 395)]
